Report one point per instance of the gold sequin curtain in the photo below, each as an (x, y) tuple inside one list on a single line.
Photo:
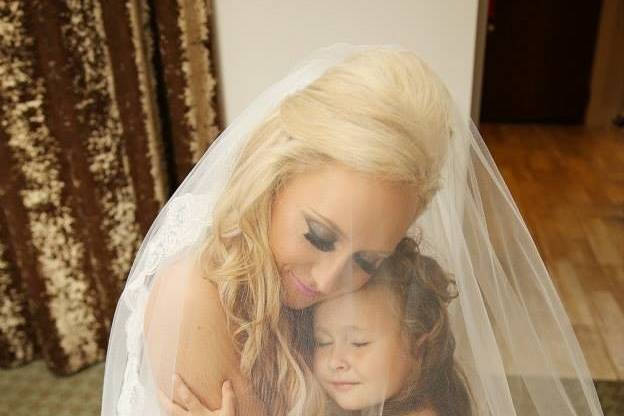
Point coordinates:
[(104, 108)]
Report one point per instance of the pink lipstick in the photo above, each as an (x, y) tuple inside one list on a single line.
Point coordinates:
[(305, 290)]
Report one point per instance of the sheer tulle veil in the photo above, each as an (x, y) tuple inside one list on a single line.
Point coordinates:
[(511, 336)]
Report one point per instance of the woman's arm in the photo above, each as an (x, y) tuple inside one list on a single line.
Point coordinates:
[(205, 354), (185, 403)]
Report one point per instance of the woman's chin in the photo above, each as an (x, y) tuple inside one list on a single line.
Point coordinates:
[(292, 301)]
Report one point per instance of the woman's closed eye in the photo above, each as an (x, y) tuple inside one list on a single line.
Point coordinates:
[(317, 238), (326, 241), (360, 344), (321, 244), (366, 265)]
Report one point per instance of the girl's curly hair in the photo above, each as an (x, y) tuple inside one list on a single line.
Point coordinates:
[(423, 291)]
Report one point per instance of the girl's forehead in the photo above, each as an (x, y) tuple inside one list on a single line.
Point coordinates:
[(370, 308)]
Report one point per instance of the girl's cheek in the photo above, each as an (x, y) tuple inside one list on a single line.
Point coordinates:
[(361, 354), (317, 361)]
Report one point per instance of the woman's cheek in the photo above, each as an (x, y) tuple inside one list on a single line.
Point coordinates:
[(357, 281)]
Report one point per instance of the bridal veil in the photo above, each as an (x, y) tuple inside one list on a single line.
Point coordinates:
[(512, 338)]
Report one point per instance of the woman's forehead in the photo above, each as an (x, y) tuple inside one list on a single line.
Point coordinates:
[(357, 204)]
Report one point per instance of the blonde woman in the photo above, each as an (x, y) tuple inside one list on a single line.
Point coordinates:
[(299, 201), (323, 191)]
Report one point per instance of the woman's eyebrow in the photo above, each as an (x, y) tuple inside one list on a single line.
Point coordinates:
[(329, 223)]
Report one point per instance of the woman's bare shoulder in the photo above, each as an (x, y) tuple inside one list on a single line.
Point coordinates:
[(180, 290), (184, 310)]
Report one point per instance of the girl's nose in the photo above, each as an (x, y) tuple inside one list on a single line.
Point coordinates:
[(332, 272), (338, 360)]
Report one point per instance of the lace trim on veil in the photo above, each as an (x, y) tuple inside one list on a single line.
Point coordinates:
[(186, 219)]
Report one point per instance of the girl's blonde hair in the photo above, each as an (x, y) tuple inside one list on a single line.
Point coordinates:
[(381, 112)]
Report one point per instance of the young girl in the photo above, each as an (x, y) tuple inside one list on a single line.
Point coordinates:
[(388, 348)]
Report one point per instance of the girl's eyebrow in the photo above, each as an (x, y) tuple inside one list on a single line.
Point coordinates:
[(356, 328), (319, 328), (330, 224)]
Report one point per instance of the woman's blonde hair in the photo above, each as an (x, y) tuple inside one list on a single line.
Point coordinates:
[(381, 112)]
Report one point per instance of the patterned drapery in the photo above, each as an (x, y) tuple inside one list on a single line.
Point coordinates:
[(104, 108), (182, 28)]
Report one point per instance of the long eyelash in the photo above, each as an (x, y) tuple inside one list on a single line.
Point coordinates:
[(325, 245), (322, 245), (368, 267)]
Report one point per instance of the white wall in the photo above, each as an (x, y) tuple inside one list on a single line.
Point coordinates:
[(257, 42)]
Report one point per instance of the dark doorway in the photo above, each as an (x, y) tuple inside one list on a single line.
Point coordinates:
[(538, 60)]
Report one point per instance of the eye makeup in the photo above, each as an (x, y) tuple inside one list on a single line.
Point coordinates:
[(321, 237), (332, 227), (368, 266)]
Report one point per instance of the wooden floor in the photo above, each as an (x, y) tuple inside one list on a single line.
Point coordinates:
[(569, 185)]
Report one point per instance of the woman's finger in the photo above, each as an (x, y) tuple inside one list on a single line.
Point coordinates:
[(171, 408), (228, 400), (183, 396)]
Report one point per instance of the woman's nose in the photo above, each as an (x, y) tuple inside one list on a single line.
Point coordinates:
[(329, 274)]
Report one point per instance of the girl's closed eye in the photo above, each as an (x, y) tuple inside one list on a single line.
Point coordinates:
[(321, 342)]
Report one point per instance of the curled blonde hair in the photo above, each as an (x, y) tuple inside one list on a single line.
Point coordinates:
[(382, 112)]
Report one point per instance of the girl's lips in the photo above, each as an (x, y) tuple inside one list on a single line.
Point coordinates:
[(343, 386), (303, 288)]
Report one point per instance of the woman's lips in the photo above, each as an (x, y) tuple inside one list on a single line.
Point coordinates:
[(304, 289)]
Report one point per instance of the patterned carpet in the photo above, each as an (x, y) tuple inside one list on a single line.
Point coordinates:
[(33, 391)]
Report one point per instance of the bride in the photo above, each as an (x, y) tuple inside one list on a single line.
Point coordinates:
[(299, 202)]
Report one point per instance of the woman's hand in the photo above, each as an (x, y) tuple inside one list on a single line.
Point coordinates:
[(186, 403)]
